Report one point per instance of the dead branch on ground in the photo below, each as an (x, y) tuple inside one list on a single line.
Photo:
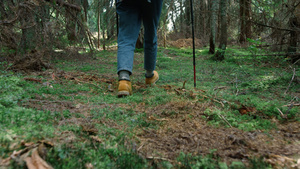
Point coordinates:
[(294, 72)]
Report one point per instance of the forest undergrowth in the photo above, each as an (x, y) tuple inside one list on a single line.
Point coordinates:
[(244, 112)]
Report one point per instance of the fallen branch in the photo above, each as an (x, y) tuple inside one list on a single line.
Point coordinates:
[(236, 86), (142, 145), (183, 86), (289, 105), (218, 102), (222, 117), (221, 87), (296, 61), (281, 114), (48, 101), (294, 72), (158, 158)]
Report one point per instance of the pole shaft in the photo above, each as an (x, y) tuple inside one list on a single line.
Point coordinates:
[(117, 19), (193, 34)]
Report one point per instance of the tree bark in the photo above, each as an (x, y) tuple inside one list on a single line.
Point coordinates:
[(28, 26), (213, 22), (188, 20), (98, 24), (172, 17), (103, 33), (245, 20), (220, 55), (85, 5), (71, 24), (294, 25)]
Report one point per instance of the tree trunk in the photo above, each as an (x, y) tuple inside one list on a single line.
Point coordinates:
[(245, 20), (181, 24), (103, 33), (85, 5), (213, 22), (188, 21), (220, 55), (71, 28), (29, 39), (71, 24), (293, 44), (44, 30), (165, 23), (173, 19), (98, 25), (293, 35)]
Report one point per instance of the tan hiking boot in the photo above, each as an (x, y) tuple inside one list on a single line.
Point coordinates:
[(125, 88), (153, 79)]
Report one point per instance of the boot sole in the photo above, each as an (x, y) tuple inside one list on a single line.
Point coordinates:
[(123, 93)]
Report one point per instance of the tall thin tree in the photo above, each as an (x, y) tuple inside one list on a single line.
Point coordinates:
[(220, 54), (213, 23), (245, 20)]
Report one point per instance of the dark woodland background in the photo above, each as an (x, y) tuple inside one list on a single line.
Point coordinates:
[(28, 26)]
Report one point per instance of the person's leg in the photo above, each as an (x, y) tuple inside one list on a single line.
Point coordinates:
[(151, 13), (129, 27)]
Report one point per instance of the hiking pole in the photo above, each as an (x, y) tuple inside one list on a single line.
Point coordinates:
[(193, 34), (117, 19)]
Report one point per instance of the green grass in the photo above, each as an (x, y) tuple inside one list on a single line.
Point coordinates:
[(62, 111), (212, 162)]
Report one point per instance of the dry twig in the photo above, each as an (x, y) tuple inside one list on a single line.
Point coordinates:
[(289, 105), (218, 102), (294, 72), (222, 117), (281, 114)]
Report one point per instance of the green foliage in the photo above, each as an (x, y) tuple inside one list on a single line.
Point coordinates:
[(255, 44), (227, 86), (19, 119), (237, 165), (103, 157), (259, 163), (243, 122), (10, 91), (193, 162)]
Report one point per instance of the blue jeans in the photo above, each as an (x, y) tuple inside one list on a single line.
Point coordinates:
[(132, 13)]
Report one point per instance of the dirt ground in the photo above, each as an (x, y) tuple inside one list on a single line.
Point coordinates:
[(185, 43), (189, 132), (185, 131)]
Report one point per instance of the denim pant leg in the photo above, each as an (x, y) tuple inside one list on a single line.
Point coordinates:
[(151, 14), (129, 27)]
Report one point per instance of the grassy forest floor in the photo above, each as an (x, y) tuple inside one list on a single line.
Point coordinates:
[(244, 112)]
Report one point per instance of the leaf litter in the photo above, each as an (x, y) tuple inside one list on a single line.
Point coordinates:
[(182, 127), (33, 155), (188, 132)]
